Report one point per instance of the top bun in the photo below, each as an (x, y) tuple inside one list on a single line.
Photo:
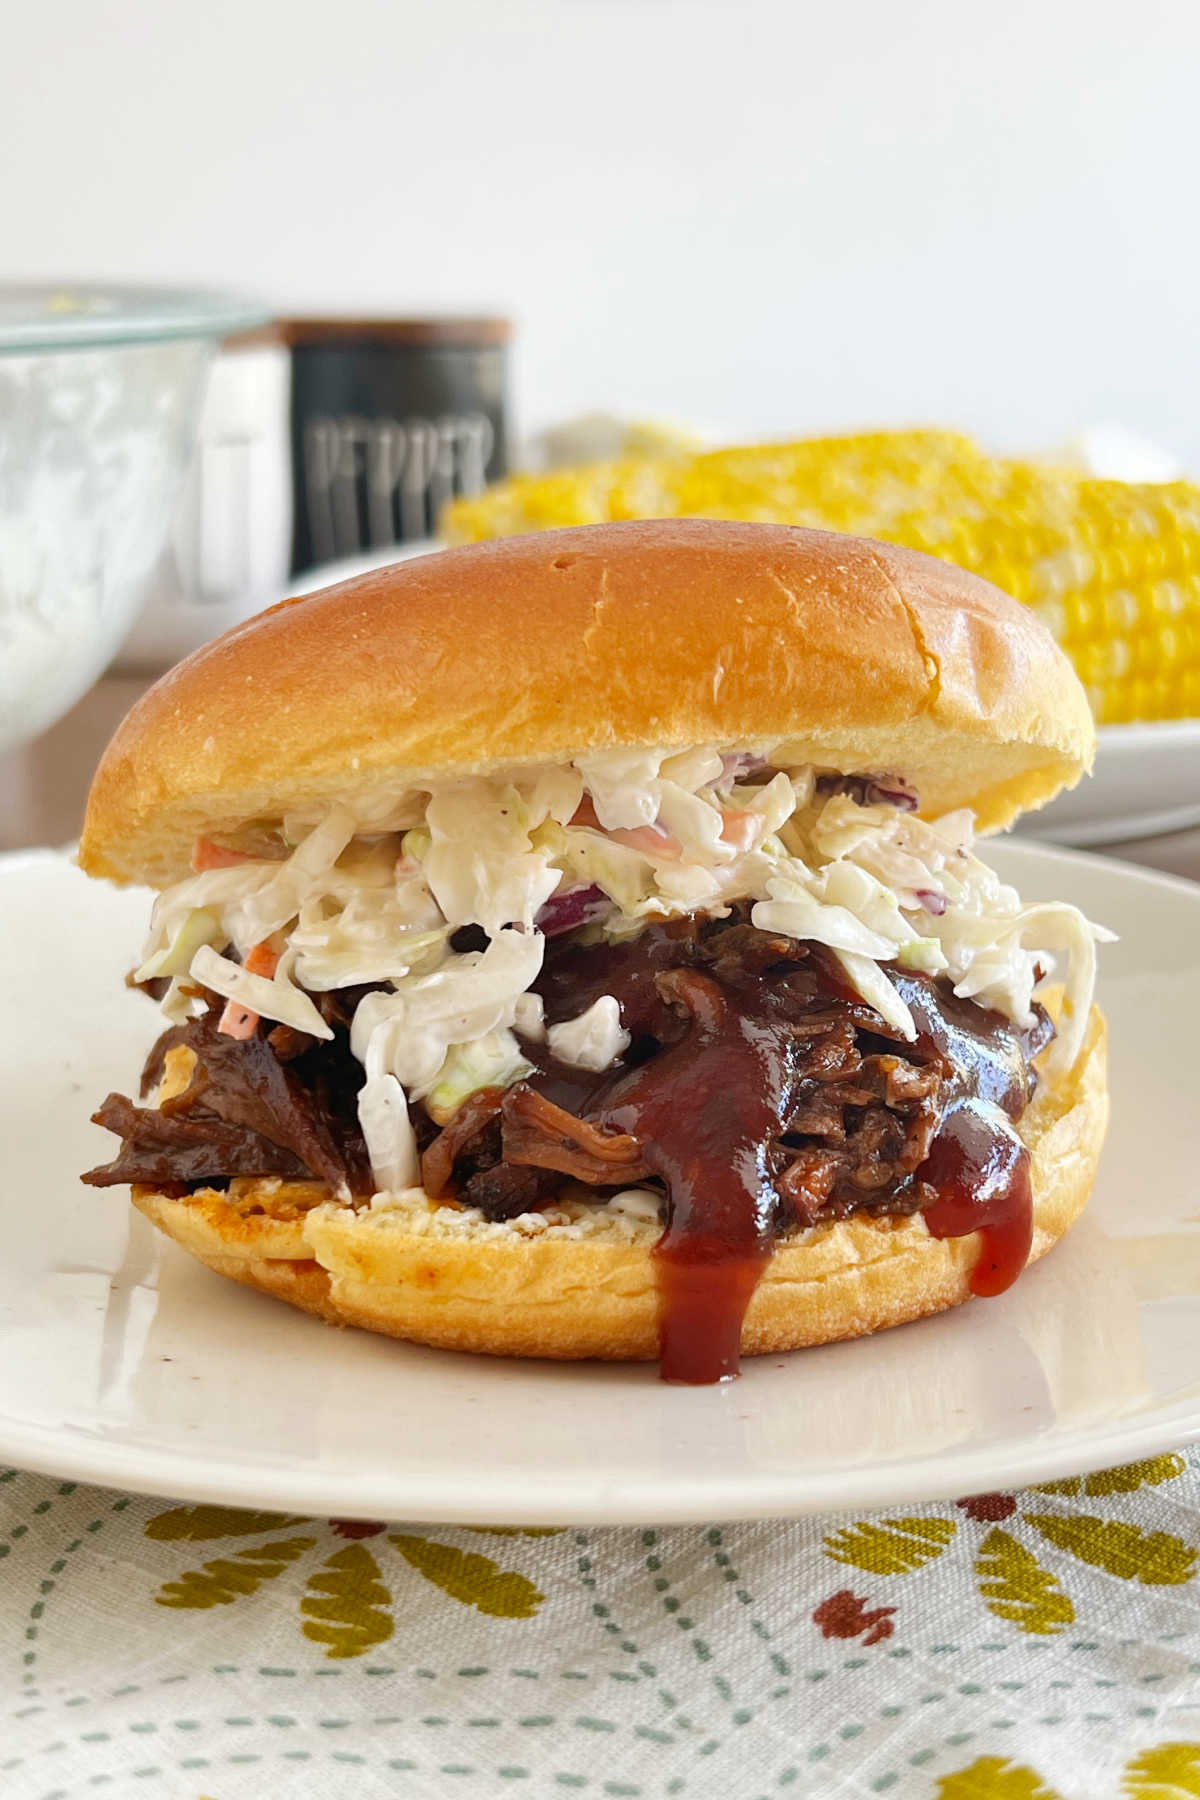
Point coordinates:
[(858, 656)]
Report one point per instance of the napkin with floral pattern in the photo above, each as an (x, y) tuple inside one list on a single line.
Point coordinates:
[(1042, 1645)]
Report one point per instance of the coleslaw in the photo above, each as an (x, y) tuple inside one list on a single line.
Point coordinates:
[(602, 845)]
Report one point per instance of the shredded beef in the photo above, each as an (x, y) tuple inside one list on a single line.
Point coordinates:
[(537, 1132), (248, 1110), (288, 1043), (456, 1140), (858, 1109), (501, 1190), (162, 1147), (726, 1022)]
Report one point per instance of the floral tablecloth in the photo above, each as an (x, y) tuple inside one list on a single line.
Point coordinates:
[(1019, 1646)]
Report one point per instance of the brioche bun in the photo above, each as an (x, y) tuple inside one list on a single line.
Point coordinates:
[(811, 647), (586, 1288), (663, 634)]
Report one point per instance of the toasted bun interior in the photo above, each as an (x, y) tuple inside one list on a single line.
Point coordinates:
[(585, 1287), (665, 634)]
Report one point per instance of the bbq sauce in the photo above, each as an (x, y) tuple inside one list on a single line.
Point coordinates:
[(978, 1167), (979, 1170), (708, 1110)]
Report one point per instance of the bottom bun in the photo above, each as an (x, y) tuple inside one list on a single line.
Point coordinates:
[(578, 1280)]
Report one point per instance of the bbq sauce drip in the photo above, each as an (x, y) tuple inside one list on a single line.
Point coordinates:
[(978, 1166), (979, 1170), (709, 1104), (706, 1112)]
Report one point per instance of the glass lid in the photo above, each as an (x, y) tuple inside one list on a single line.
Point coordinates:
[(65, 315)]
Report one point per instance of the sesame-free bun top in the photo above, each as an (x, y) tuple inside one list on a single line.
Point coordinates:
[(858, 656)]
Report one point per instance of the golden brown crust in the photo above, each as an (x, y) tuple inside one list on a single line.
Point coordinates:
[(495, 1289), (661, 633)]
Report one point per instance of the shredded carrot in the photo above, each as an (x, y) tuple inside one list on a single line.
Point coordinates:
[(741, 829), (206, 855), (263, 959), (238, 1021), (651, 840)]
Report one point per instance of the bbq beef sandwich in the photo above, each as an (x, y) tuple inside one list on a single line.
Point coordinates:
[(576, 946)]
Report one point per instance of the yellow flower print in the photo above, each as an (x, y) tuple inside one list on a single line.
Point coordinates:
[(994, 1778), (1168, 1772), (1012, 1581), (346, 1604)]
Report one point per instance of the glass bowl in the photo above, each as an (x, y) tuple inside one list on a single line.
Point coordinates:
[(100, 392)]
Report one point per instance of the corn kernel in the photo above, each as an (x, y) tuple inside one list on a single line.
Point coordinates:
[(1112, 568)]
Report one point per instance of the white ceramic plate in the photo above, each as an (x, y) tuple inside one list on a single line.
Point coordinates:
[(329, 574), (1146, 780), (124, 1362)]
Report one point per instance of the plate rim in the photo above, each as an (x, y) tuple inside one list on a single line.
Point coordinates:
[(1133, 733), (511, 1501)]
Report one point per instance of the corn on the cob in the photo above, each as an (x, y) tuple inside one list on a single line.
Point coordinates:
[(1113, 568)]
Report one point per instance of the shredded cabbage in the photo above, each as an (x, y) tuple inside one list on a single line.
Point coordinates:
[(217, 890), (592, 1040), (274, 997), (201, 926), (774, 802), (796, 912), (874, 987), (388, 1131), (696, 823), (694, 769), (480, 865), (529, 1017), (277, 902), (623, 785), (491, 1061), (368, 939), (625, 875), (375, 898), (176, 1005), (411, 1031)]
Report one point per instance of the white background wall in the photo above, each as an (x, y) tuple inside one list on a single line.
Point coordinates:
[(781, 216)]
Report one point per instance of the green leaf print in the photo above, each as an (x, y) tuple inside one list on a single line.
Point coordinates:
[(475, 1580), (1154, 1558), (218, 1583), (1016, 1587), (195, 1524), (892, 1548), (1128, 1477), (343, 1604), (1125, 1479), (531, 1531)]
